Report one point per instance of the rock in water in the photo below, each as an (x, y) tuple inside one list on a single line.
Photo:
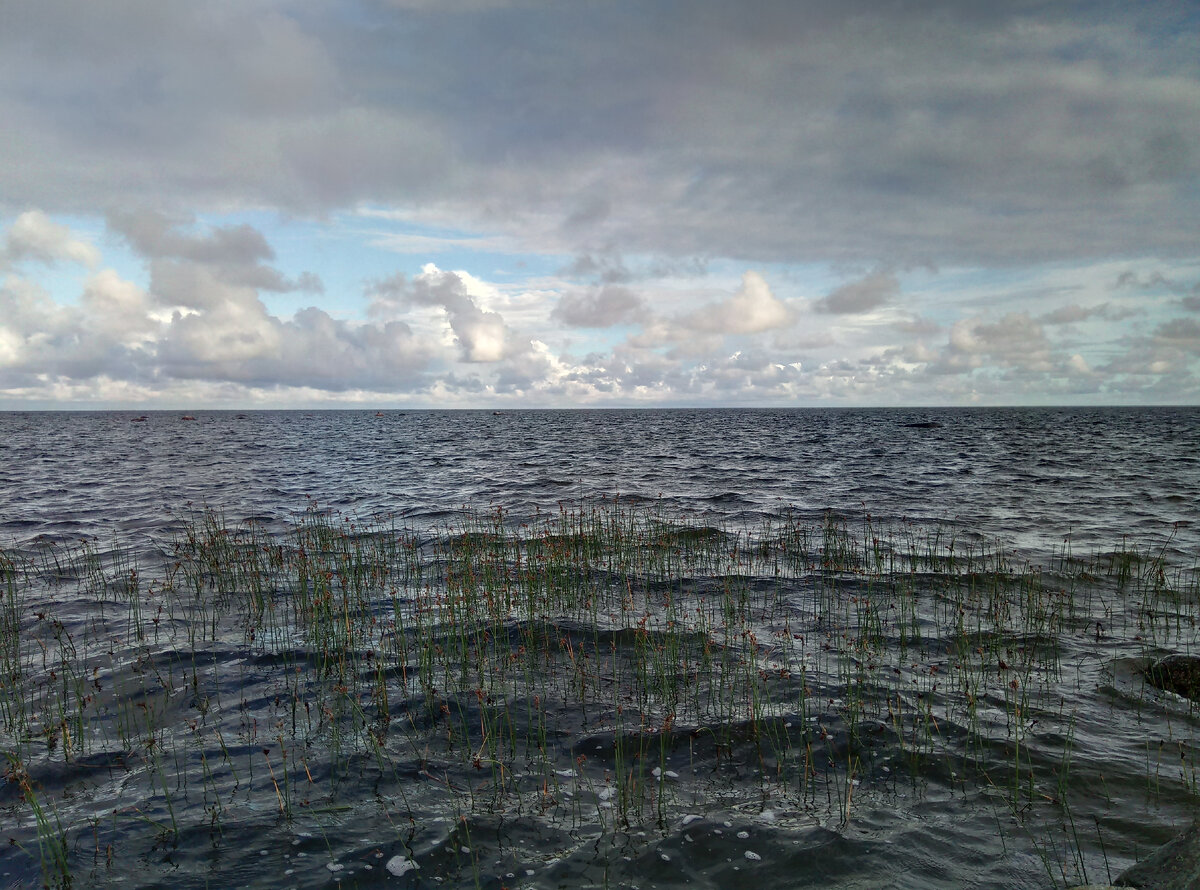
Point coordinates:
[(1173, 866), (1176, 673)]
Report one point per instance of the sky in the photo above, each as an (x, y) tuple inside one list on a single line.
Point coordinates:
[(558, 203)]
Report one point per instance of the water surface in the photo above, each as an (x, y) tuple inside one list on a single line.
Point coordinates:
[(962, 703)]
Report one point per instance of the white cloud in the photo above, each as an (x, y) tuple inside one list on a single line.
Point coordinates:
[(33, 236), (197, 327), (11, 344), (481, 335), (118, 308), (752, 310), (1079, 365), (197, 322)]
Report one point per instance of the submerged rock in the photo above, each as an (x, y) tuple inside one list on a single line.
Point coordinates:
[(1176, 673), (1173, 866)]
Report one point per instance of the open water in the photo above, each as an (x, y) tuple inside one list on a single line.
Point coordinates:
[(1097, 482), (1031, 475)]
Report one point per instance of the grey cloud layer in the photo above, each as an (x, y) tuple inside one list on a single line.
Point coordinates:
[(869, 132), (667, 147)]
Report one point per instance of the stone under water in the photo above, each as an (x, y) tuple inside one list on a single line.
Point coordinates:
[(1176, 673)]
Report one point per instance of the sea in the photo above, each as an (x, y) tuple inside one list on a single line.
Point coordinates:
[(1031, 475), (1042, 485)]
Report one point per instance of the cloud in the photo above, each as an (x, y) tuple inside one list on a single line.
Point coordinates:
[(749, 372), (1157, 281), (916, 325), (1074, 313), (118, 309), (44, 341), (607, 268), (751, 310), (1179, 332), (1063, 132), (241, 344), (1130, 279), (1071, 314), (481, 335), (33, 236), (1079, 365), (1159, 366), (232, 254), (1014, 342), (200, 320), (195, 326), (600, 307), (857, 297), (114, 333), (156, 235)]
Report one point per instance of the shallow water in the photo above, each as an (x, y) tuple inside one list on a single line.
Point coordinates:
[(892, 800)]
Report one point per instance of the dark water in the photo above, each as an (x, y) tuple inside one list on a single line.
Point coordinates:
[(1030, 475), (1112, 480)]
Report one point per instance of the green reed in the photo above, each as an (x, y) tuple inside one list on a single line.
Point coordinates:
[(487, 652)]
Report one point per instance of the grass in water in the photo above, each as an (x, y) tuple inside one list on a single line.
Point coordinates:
[(598, 671)]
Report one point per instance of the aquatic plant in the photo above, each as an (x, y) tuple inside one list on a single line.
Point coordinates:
[(600, 669)]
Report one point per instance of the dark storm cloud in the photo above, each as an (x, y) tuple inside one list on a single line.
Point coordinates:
[(888, 133)]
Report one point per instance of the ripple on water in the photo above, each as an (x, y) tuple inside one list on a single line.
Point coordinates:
[(1030, 477)]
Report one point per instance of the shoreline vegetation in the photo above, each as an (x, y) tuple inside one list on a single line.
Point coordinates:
[(602, 678)]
